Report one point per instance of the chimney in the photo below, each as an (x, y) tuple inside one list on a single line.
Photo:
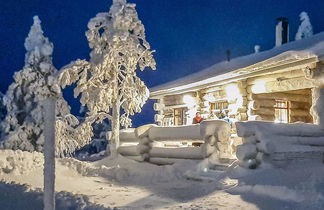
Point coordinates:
[(228, 55), (282, 31)]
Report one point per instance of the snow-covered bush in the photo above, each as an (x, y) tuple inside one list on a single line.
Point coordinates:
[(305, 29), (24, 123), (108, 84)]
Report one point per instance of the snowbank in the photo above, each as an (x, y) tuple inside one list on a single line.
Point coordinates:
[(19, 162), (14, 196), (125, 184)]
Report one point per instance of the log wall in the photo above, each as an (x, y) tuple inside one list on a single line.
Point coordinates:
[(254, 98)]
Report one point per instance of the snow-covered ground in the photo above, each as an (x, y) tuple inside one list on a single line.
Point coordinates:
[(126, 184)]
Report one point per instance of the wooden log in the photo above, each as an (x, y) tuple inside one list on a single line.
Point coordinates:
[(244, 100), (142, 148), (250, 164), (266, 147), (219, 128), (299, 112), (253, 105), (158, 117), (300, 105), (211, 140), (250, 139), (263, 103), (180, 153), (188, 132), (267, 117), (241, 117), (246, 151), (283, 96), (306, 119), (128, 151), (143, 131), (138, 158), (274, 77), (254, 117), (207, 149), (238, 110), (282, 85), (128, 135), (158, 106), (242, 109), (163, 161), (250, 128), (263, 111), (315, 73), (263, 158), (298, 140), (173, 100)]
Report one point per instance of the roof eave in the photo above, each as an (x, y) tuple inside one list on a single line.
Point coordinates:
[(234, 75)]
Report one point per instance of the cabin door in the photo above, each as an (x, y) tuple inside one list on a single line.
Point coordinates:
[(179, 116)]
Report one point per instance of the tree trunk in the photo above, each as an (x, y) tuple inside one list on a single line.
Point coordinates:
[(115, 127), (49, 154)]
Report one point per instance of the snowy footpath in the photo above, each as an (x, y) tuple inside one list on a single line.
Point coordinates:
[(126, 184)]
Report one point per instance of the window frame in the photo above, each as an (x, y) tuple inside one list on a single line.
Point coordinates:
[(286, 107)]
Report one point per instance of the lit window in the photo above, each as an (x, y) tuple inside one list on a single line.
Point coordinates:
[(219, 105), (282, 111), (179, 115)]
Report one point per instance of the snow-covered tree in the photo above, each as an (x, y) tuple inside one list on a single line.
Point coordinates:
[(305, 28), (24, 123), (2, 108), (108, 84)]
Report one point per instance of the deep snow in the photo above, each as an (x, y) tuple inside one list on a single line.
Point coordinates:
[(126, 184)]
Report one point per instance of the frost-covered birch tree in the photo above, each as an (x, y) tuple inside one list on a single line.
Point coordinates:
[(24, 123), (108, 84), (305, 28)]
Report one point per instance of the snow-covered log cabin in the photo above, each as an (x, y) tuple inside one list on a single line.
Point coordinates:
[(282, 84), (275, 85)]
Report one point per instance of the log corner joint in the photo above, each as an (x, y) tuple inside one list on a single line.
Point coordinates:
[(316, 73)]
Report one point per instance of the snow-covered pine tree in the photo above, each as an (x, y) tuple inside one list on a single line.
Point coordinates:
[(108, 84), (24, 123), (305, 29)]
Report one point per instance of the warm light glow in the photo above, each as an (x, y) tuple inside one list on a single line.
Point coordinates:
[(189, 100), (259, 87), (232, 91), (209, 97)]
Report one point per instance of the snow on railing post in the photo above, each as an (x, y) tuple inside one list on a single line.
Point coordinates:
[(49, 154)]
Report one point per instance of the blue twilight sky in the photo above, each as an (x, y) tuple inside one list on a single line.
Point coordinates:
[(188, 35)]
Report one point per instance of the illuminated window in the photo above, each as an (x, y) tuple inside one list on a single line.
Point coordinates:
[(179, 116), (282, 111), (219, 105)]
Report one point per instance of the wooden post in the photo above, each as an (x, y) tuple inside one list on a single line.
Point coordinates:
[(49, 154)]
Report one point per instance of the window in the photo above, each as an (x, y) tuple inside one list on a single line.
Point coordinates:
[(179, 116), (219, 105), (282, 111)]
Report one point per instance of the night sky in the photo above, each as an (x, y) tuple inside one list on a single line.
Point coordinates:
[(188, 35)]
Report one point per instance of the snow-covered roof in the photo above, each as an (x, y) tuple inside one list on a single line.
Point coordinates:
[(309, 49)]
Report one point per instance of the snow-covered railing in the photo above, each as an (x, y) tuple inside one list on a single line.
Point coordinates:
[(278, 143), (151, 137)]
